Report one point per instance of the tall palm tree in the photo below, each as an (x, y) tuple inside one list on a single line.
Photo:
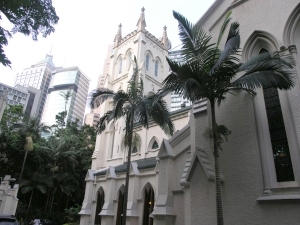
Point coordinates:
[(134, 107), (210, 73), (36, 182), (32, 129)]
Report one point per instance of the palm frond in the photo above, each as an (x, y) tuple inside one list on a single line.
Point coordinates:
[(106, 118), (223, 27), (231, 47), (267, 70), (159, 112), (98, 96), (185, 31)]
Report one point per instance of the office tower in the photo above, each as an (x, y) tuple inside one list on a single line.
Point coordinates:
[(38, 76), (177, 101), (66, 80), (28, 97), (93, 117)]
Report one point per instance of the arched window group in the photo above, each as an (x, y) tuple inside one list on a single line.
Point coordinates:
[(154, 68)]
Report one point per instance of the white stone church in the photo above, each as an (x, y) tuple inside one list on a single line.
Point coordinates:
[(172, 178)]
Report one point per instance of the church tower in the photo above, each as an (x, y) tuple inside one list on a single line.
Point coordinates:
[(150, 53)]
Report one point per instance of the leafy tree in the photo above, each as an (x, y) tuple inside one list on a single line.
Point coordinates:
[(11, 115), (29, 17), (134, 107), (211, 73)]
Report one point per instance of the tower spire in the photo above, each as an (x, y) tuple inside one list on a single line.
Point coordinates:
[(118, 36), (141, 24), (165, 39)]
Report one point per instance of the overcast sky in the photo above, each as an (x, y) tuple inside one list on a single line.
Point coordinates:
[(87, 27)]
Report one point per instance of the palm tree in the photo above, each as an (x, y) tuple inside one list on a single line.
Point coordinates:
[(134, 107), (210, 73), (66, 95), (32, 129), (36, 182)]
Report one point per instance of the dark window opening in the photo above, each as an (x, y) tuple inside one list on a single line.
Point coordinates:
[(100, 203), (155, 145), (281, 152), (120, 207), (134, 150), (148, 205)]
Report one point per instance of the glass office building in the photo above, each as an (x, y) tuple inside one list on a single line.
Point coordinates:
[(65, 80)]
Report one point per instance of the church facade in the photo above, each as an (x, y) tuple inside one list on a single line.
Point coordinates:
[(172, 178)]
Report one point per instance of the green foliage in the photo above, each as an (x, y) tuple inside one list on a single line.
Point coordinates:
[(54, 172), (72, 214), (11, 115), (29, 17)]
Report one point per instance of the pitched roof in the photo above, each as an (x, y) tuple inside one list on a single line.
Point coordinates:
[(141, 164)]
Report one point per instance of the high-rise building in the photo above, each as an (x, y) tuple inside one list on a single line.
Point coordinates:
[(93, 117), (65, 80), (28, 97), (177, 101), (38, 76)]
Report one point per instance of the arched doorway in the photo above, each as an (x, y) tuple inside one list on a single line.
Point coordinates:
[(120, 205), (100, 203), (148, 204)]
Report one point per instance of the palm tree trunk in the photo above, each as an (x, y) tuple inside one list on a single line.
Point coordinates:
[(23, 166), (29, 205), (46, 205), (51, 206), (219, 206), (127, 172)]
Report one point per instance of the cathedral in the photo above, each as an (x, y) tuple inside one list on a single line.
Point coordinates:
[(172, 178)]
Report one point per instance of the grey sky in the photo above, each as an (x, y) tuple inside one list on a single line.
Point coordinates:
[(87, 27)]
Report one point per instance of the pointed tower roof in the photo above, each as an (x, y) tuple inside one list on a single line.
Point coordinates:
[(47, 60), (165, 39), (141, 24), (118, 36)]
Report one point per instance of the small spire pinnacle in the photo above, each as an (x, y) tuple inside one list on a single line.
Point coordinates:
[(165, 39), (141, 24), (118, 36)]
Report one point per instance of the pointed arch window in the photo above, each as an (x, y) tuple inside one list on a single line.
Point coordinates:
[(120, 62), (278, 137), (100, 203), (120, 205), (156, 68), (129, 58), (147, 62), (148, 204), (112, 139)]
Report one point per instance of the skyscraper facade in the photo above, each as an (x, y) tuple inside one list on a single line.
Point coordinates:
[(66, 81), (27, 97), (93, 117), (38, 76), (177, 101)]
